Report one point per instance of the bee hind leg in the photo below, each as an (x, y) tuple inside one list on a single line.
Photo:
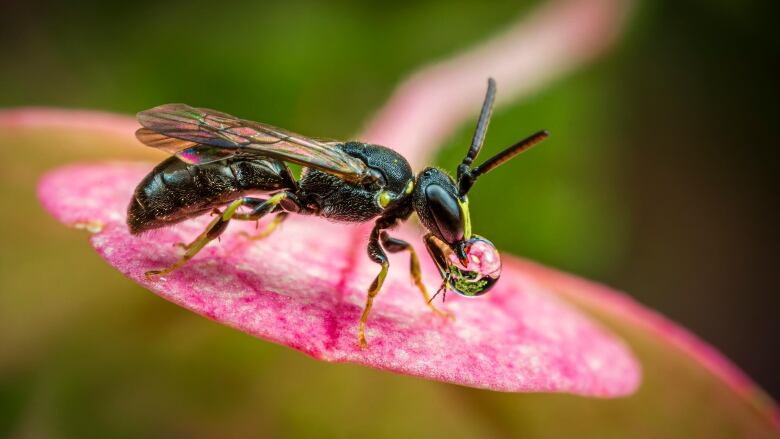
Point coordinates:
[(186, 246), (212, 231)]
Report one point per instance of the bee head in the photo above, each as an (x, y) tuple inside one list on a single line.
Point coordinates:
[(469, 264), (442, 210)]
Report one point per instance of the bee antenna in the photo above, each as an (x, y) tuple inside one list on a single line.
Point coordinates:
[(504, 156), (468, 175), (481, 131)]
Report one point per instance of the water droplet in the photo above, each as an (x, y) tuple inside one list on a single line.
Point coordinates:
[(481, 272)]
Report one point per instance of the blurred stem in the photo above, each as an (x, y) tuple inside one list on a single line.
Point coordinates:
[(554, 39), (79, 122)]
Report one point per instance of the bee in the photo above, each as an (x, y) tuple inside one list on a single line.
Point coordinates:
[(237, 169)]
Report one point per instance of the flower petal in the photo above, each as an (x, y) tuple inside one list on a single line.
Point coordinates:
[(688, 386), (664, 341), (304, 287)]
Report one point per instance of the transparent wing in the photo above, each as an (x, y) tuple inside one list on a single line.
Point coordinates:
[(200, 135), (188, 151)]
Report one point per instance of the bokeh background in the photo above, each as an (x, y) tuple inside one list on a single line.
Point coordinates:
[(659, 179)]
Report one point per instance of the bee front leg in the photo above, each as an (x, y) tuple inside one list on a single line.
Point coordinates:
[(395, 245)]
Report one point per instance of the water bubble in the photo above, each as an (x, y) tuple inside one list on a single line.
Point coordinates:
[(481, 272)]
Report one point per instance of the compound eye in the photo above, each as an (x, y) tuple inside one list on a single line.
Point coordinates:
[(446, 213)]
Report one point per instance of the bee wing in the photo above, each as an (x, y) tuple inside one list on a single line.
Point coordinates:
[(200, 135), (188, 151)]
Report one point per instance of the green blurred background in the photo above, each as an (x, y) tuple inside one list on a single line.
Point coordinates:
[(659, 179)]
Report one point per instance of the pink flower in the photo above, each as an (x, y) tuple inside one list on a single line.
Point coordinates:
[(305, 286), (538, 330)]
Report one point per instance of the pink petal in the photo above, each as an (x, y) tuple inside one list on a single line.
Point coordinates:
[(68, 119), (304, 287), (608, 304)]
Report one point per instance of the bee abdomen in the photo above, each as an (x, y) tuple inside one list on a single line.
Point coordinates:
[(175, 191)]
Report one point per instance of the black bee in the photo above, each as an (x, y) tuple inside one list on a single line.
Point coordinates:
[(221, 163)]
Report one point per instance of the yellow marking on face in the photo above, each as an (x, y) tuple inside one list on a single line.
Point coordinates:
[(385, 198), (464, 207), (409, 187)]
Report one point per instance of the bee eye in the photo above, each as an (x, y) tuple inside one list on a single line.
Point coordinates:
[(446, 213)]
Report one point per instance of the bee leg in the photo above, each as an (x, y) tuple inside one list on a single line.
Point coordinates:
[(395, 245), (184, 246), (213, 230), (268, 229), (377, 255), (260, 207), (282, 203)]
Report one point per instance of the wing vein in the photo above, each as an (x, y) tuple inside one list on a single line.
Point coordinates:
[(200, 135)]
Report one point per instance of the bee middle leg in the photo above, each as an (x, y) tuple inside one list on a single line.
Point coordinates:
[(281, 203), (377, 255), (267, 230), (395, 245)]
